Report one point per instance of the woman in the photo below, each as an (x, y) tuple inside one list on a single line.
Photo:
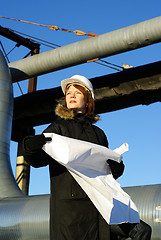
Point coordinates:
[(72, 214)]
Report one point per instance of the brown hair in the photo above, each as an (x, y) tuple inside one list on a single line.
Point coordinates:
[(89, 102)]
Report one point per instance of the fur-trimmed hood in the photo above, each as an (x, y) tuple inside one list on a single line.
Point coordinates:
[(65, 113)]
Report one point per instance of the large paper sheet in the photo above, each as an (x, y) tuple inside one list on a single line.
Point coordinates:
[(86, 162)]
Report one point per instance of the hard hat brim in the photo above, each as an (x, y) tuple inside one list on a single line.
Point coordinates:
[(67, 81)]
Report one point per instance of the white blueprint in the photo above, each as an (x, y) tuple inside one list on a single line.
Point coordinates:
[(87, 164)]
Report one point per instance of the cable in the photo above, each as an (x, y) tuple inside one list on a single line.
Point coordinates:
[(4, 52), (107, 66), (111, 64), (52, 27), (55, 28)]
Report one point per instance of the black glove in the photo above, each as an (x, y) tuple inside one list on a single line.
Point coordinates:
[(35, 143), (111, 162), (116, 168)]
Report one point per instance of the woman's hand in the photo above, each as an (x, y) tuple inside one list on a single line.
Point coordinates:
[(34, 143), (116, 168)]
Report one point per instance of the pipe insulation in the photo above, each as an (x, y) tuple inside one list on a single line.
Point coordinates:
[(8, 185), (148, 201), (108, 44), (21, 217), (25, 218)]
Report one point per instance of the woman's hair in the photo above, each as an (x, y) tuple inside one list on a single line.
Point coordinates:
[(89, 102)]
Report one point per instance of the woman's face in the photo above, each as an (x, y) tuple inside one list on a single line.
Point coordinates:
[(75, 99)]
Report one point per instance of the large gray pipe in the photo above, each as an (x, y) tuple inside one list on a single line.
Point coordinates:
[(21, 217), (8, 186), (119, 41), (148, 201), (24, 218)]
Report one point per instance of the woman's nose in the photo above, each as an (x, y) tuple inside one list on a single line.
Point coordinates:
[(72, 95)]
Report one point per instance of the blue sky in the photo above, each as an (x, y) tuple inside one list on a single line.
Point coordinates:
[(139, 125)]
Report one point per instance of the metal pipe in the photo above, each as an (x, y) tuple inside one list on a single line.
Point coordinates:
[(119, 41), (28, 217), (21, 217), (25, 218), (148, 201), (8, 186)]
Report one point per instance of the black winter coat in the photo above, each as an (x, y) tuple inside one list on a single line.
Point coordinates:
[(72, 214)]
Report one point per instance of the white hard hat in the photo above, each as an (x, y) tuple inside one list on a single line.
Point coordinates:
[(80, 80)]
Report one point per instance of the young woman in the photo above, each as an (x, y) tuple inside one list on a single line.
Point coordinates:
[(72, 214)]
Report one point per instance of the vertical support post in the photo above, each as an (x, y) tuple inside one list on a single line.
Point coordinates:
[(22, 171), (33, 81), (22, 167)]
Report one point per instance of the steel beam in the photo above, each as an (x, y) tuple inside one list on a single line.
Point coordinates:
[(140, 85), (19, 39)]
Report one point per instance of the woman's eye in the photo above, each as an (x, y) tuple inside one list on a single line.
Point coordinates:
[(69, 93)]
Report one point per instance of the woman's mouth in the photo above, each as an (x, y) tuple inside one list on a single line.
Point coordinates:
[(72, 101)]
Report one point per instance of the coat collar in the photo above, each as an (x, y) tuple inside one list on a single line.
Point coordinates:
[(65, 113)]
